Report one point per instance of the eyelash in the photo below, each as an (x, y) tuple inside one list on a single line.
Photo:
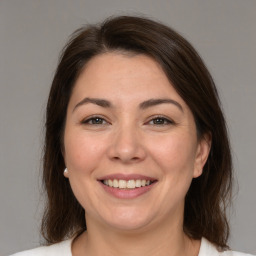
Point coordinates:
[(90, 120), (163, 121)]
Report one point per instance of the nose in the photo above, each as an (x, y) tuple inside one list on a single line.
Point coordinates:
[(126, 146)]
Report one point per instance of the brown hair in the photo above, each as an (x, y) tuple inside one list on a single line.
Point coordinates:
[(209, 195)]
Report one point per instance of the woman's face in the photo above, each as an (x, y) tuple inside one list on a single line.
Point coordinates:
[(131, 146)]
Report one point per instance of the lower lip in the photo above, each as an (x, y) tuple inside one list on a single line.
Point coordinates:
[(127, 193)]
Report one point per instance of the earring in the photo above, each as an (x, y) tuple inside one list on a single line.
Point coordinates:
[(65, 173)]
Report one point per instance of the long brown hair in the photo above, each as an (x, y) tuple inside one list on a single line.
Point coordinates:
[(209, 195)]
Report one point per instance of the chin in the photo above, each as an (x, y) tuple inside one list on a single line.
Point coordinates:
[(128, 226), (128, 220)]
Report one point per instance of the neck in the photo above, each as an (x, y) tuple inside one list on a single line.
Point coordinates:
[(164, 240)]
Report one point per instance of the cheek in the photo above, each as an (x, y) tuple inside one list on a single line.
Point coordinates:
[(175, 154), (82, 153)]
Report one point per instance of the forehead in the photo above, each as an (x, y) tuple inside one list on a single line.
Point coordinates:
[(123, 77), (122, 67)]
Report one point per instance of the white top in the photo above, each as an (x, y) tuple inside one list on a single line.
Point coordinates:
[(64, 249)]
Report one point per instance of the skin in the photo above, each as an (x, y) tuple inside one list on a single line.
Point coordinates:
[(128, 139)]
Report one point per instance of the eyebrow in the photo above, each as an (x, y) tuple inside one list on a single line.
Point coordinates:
[(100, 102), (144, 105), (154, 102)]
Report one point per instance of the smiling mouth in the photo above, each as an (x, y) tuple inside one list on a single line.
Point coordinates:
[(127, 184)]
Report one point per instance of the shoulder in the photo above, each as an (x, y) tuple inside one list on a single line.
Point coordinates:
[(63, 249), (208, 249)]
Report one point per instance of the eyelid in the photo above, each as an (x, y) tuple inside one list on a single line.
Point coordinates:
[(168, 119), (89, 118)]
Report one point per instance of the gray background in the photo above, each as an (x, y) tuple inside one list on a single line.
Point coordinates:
[(32, 33)]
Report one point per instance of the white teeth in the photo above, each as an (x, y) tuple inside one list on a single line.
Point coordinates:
[(129, 184), (122, 184), (138, 183), (115, 183), (110, 183)]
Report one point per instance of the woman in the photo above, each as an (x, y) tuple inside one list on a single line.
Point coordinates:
[(137, 158)]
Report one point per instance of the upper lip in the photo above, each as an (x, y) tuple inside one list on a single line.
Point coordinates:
[(121, 176)]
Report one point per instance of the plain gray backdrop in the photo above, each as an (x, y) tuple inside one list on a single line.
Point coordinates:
[(32, 35)]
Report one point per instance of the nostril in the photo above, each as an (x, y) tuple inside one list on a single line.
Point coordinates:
[(126, 159), (126, 151)]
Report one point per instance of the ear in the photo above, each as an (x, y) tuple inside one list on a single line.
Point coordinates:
[(202, 153)]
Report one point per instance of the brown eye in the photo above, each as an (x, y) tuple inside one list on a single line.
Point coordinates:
[(95, 121), (160, 121)]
